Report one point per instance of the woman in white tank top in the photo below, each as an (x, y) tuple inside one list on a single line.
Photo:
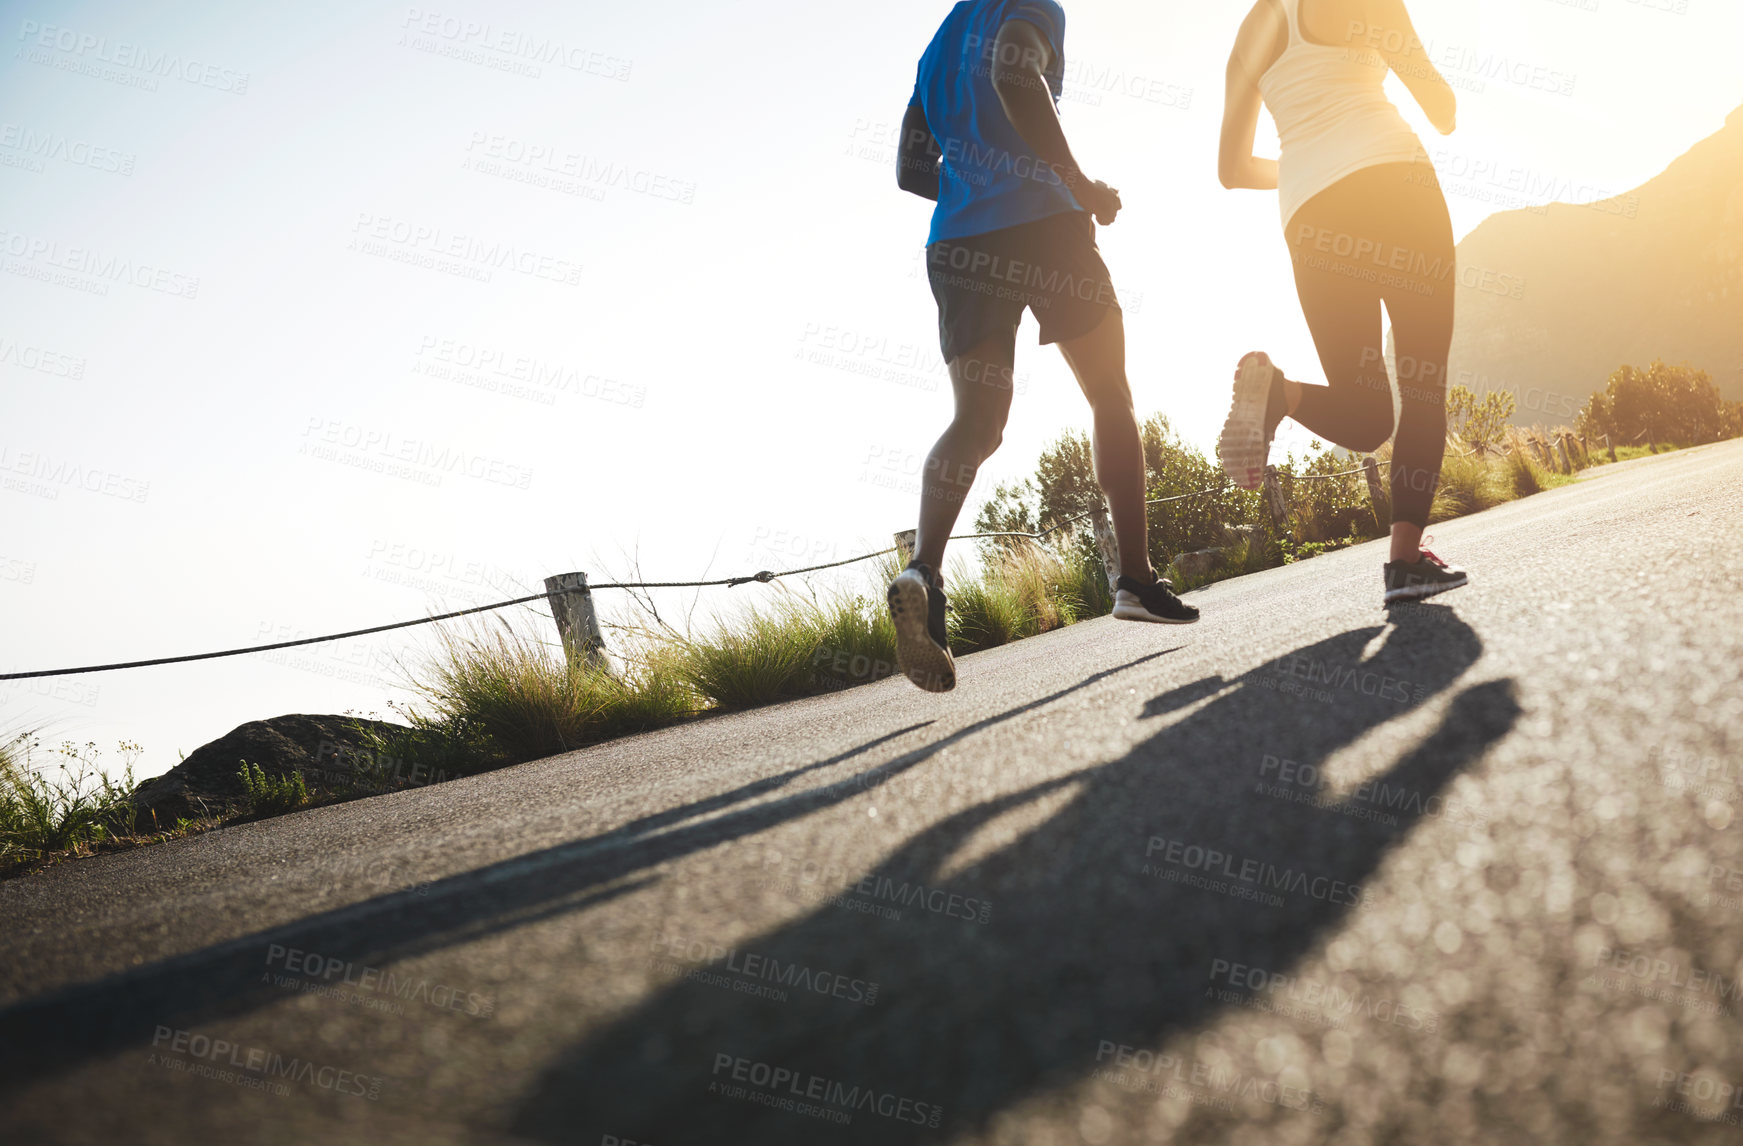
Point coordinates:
[(1367, 225)]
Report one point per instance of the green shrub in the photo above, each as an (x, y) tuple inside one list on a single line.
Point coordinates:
[(1481, 423), (427, 748), (1064, 486), (1326, 500), (1666, 404), (1188, 524), (272, 795)]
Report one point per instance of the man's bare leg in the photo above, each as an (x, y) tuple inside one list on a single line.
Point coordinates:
[(981, 381), (1099, 361)]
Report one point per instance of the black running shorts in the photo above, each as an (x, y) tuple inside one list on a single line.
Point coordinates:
[(983, 283)]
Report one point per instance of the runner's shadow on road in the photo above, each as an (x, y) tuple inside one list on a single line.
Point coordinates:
[(57, 1031), (1106, 917)]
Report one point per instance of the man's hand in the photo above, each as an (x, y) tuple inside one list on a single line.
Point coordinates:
[(1099, 200)]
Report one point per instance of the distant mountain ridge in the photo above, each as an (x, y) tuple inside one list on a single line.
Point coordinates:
[(1655, 273)]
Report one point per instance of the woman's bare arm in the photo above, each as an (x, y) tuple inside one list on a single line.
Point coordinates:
[(1255, 49)]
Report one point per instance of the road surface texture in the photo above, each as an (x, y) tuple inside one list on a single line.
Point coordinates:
[(1298, 874)]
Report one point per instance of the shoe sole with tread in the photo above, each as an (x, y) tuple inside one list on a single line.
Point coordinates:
[(917, 655), (1242, 448)]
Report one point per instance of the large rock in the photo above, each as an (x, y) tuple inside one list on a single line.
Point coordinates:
[(1194, 567), (319, 747)]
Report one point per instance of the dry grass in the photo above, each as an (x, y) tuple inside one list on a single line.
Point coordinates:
[(526, 701), (1027, 590)]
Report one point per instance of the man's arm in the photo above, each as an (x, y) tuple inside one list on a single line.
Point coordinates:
[(1388, 26), (917, 157), (1021, 57), (1236, 164)]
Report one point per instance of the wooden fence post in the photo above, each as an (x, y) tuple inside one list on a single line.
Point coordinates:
[(1104, 539), (1609, 447), (577, 623), (905, 542), (1564, 464), (1377, 493), (1274, 500)]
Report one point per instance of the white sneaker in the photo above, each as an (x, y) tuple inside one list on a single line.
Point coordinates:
[(1245, 444)]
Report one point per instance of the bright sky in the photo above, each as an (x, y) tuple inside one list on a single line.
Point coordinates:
[(250, 318)]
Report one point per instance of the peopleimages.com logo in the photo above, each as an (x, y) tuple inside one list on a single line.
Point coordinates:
[(307, 970), (88, 269), (1229, 874), (1213, 1086), (812, 1095), (85, 50), (383, 451), (1279, 993), (210, 1055), (748, 971), (873, 894), (55, 474), (30, 357)]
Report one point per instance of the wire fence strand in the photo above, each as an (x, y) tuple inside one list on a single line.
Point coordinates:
[(764, 577)]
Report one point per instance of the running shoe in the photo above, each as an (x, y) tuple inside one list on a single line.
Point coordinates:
[(1419, 580), (1155, 602), (917, 605), (1245, 444)]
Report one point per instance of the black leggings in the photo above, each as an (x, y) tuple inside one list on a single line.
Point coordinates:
[(1380, 235)]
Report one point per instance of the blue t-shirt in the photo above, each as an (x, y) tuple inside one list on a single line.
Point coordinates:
[(990, 178)]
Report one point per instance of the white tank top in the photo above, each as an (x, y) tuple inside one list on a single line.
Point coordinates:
[(1332, 114)]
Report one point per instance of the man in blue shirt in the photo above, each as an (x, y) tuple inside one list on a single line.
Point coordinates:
[(1012, 231)]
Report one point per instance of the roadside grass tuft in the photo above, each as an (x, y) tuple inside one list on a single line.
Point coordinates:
[(856, 644), (798, 647), (520, 697), (1086, 581), (762, 658), (1024, 591), (984, 614), (78, 810), (1524, 475), (1469, 485)]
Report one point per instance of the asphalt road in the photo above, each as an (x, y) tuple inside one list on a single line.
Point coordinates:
[(1298, 874)]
